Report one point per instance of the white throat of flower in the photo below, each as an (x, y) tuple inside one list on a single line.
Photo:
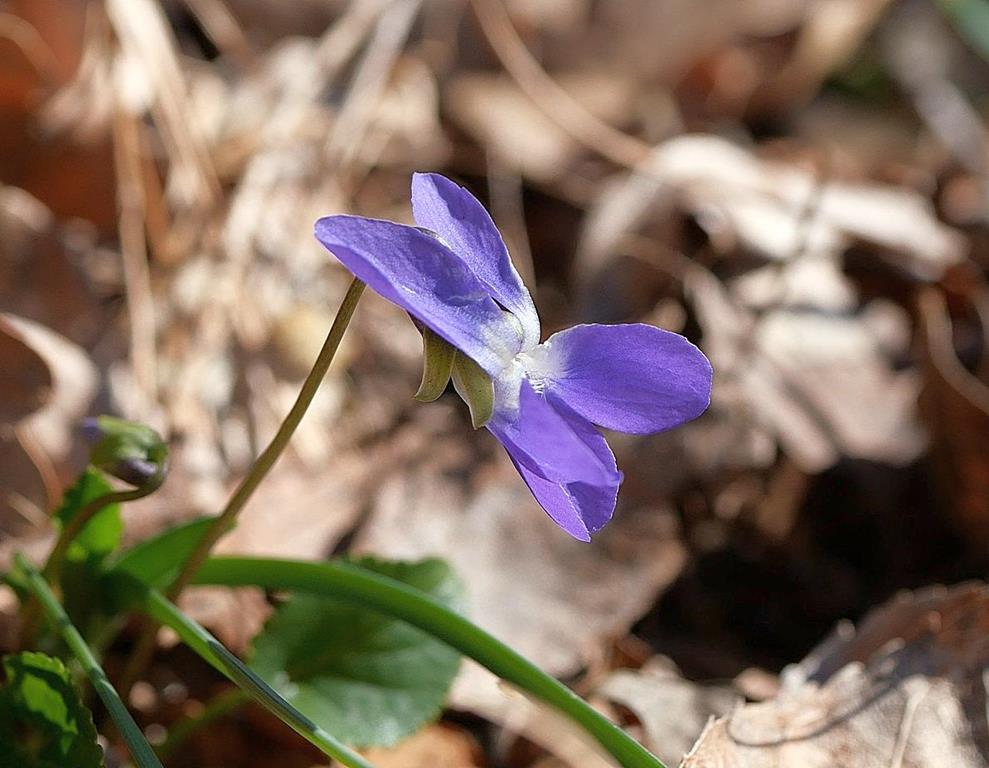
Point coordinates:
[(538, 366)]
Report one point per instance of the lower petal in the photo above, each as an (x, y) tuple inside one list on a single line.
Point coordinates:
[(632, 378), (552, 443), (578, 508)]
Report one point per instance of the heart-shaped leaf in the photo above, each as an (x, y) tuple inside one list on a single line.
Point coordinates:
[(43, 723), (365, 678)]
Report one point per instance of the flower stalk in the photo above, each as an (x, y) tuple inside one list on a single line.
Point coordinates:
[(263, 464), (56, 557), (258, 471)]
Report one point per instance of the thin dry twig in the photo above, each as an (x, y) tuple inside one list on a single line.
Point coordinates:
[(134, 253), (22, 34), (224, 30), (146, 38), (369, 82), (505, 191), (553, 100)]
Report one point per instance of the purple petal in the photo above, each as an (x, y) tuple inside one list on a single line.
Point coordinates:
[(572, 506), (458, 217), (580, 509), (632, 378), (424, 277), (550, 443)]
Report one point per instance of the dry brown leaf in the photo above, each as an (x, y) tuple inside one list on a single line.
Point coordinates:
[(300, 511), (26, 378), (43, 268), (905, 689), (436, 746), (74, 380), (478, 691), (40, 445), (955, 405), (236, 616), (495, 111), (762, 203), (673, 711), (823, 382), (742, 200), (26, 385), (837, 369)]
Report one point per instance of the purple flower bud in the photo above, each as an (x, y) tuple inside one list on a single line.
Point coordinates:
[(137, 472), (91, 430), (127, 450)]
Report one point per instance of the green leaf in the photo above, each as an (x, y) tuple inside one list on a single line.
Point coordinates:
[(366, 678), (101, 535), (43, 723), (156, 562)]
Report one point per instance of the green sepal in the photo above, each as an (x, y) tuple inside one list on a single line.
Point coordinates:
[(437, 366), (475, 387)]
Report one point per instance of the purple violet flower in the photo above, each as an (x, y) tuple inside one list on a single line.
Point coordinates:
[(453, 274)]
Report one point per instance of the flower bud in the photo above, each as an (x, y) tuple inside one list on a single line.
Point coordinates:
[(129, 451)]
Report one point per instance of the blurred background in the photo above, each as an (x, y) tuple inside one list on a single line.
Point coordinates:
[(798, 186)]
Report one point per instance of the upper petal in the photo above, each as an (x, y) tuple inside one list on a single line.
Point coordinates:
[(459, 218), (424, 277), (551, 443), (633, 378)]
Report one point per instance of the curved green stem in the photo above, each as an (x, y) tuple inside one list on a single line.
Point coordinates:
[(263, 464), (139, 748), (369, 590), (56, 558), (53, 565), (223, 522), (213, 652)]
